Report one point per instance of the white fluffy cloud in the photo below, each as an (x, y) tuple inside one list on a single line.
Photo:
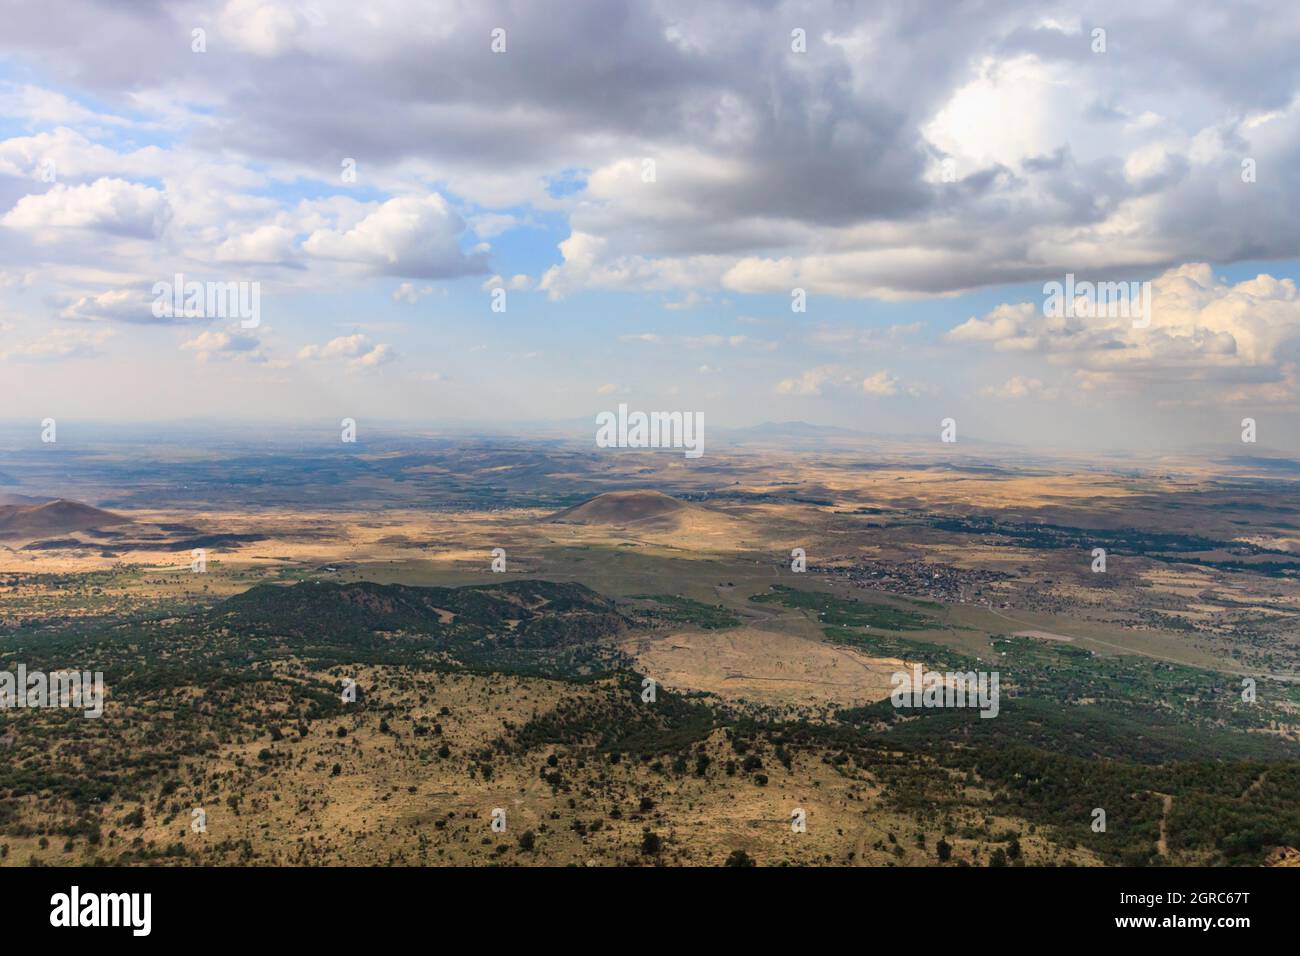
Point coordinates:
[(880, 383), (64, 153), (828, 171), (234, 345), (117, 305), (415, 236), (1199, 325), (113, 206), (357, 350), (837, 380), (269, 244)]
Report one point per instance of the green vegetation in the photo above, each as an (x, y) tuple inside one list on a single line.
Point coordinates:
[(183, 688), (846, 613), (538, 627), (619, 721), (1075, 731), (1165, 546), (675, 609), (887, 645)]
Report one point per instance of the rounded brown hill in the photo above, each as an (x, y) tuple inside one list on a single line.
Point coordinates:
[(53, 517), (622, 507)]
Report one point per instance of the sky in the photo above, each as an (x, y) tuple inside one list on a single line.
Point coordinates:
[(830, 212)]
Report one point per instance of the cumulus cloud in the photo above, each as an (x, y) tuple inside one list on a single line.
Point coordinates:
[(833, 380), (357, 350), (1005, 323), (881, 383), (817, 381), (413, 236), (770, 170), (1202, 329), (117, 305), (108, 205), (234, 345), (269, 244), (67, 154)]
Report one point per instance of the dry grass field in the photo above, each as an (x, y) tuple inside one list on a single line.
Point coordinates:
[(386, 797)]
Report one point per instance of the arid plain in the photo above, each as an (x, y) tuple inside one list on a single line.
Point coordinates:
[(780, 678)]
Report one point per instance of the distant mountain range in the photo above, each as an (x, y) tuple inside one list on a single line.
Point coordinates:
[(1286, 465), (795, 430), (8, 498)]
